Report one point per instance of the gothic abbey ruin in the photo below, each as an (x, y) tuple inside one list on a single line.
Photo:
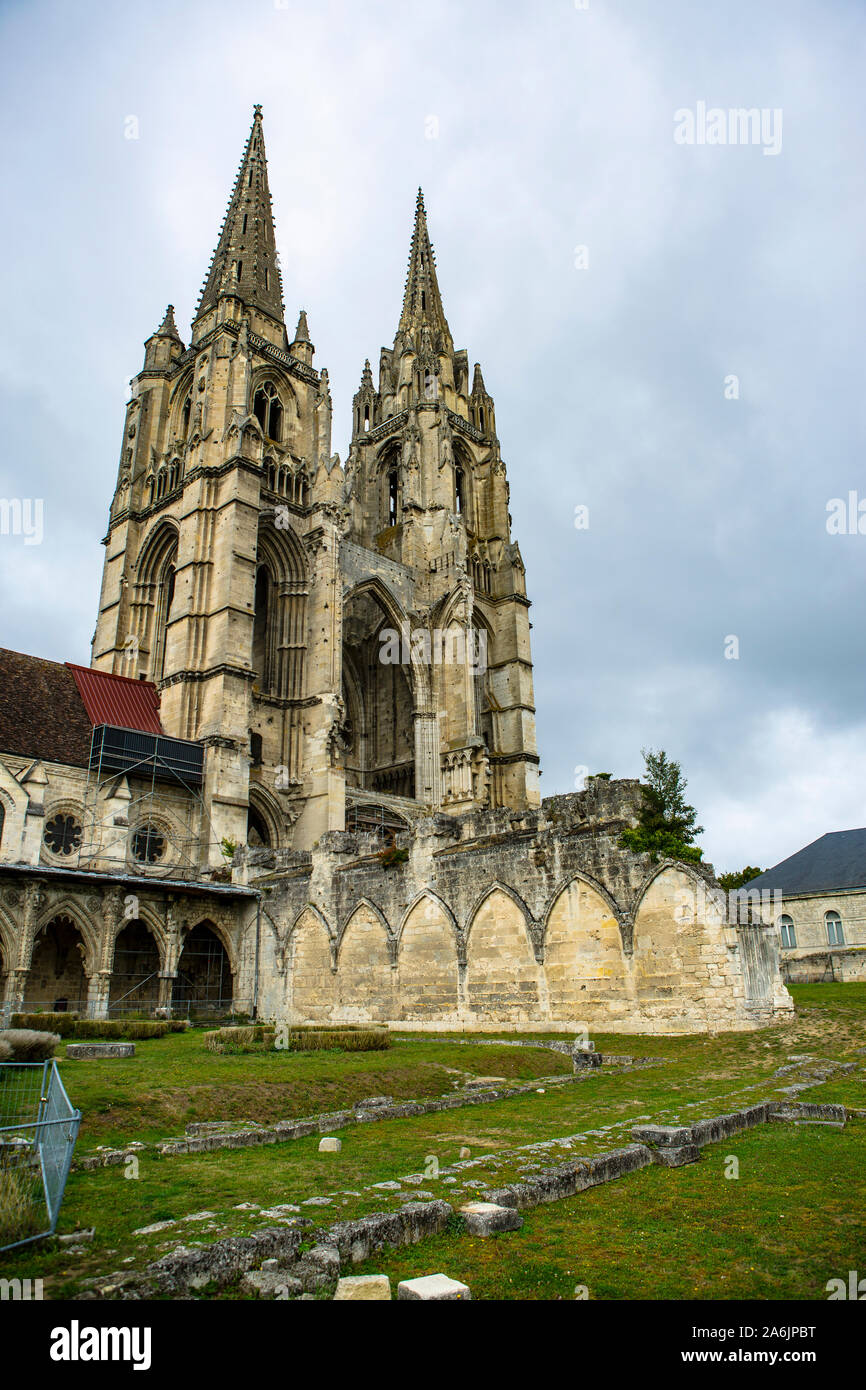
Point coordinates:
[(321, 672)]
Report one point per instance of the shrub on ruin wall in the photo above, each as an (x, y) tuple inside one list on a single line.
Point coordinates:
[(53, 1023), (71, 1026), (248, 1039), (356, 1039), (353, 1037), (28, 1045)]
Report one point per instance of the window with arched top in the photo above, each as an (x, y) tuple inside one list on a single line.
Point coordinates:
[(257, 831), (268, 410), (260, 625), (835, 935), (788, 934), (459, 491), (393, 497), (184, 417), (165, 599)]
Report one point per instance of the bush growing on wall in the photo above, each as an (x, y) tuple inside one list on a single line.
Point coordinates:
[(305, 1038), (28, 1045), (71, 1026)]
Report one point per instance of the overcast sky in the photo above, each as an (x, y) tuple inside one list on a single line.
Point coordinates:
[(536, 129)]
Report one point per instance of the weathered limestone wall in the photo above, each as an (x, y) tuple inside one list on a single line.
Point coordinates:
[(532, 920)]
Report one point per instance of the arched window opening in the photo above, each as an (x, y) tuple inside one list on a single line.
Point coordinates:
[(835, 935), (185, 416), (256, 748), (269, 411), (240, 269), (260, 624), (393, 497), (56, 980), (266, 278), (135, 970), (203, 985), (366, 417), (788, 934), (423, 300), (257, 831), (481, 417), (459, 495), (244, 227), (164, 602)]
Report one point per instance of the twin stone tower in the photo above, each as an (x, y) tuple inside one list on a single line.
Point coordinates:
[(349, 641)]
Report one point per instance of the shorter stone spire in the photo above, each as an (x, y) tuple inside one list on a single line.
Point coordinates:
[(302, 332), (163, 346), (168, 327)]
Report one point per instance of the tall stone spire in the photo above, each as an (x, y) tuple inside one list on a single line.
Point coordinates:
[(244, 264), (422, 302)]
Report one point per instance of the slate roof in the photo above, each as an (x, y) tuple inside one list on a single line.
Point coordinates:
[(43, 712), (836, 861)]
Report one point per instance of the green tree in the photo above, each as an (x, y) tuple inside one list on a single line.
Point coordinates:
[(668, 824), (730, 882)]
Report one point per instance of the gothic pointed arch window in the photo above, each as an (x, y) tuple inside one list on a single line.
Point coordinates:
[(268, 410), (260, 626), (393, 497), (257, 831), (459, 491), (164, 603), (185, 416), (154, 594)]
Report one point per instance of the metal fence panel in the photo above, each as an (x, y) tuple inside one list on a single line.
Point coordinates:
[(38, 1130)]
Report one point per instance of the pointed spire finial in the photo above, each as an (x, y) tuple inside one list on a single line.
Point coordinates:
[(168, 327), (245, 261), (422, 302), (302, 332)]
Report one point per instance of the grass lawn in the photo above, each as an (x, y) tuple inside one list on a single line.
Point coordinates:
[(795, 1218), (717, 1227)]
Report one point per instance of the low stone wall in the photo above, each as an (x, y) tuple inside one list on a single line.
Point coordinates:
[(841, 965), (288, 1272)]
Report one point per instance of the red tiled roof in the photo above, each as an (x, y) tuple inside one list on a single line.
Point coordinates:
[(41, 712), (117, 700)]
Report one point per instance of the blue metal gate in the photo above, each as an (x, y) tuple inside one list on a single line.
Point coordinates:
[(38, 1130)]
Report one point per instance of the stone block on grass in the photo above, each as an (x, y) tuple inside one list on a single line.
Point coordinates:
[(330, 1145), (94, 1052), (677, 1157), (433, 1288), (364, 1288), (487, 1218)]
